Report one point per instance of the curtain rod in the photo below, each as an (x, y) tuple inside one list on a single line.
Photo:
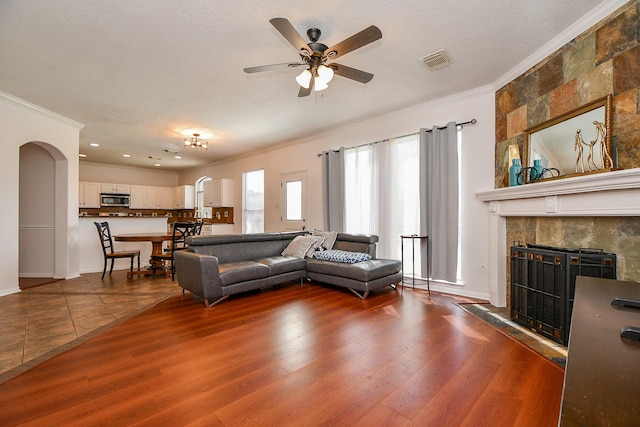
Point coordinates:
[(468, 122)]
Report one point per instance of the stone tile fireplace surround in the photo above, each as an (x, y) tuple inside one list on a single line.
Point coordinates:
[(604, 195), (597, 210)]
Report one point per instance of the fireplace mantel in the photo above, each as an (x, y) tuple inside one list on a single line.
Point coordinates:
[(615, 193)]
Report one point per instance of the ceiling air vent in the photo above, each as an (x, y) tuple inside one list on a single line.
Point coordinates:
[(436, 60)]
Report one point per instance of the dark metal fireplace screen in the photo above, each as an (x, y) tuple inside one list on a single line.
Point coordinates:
[(543, 282)]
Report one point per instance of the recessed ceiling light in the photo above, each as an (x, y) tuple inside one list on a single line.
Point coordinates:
[(126, 155), (93, 144), (157, 164), (177, 157), (82, 155)]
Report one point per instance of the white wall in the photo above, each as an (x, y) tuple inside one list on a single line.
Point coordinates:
[(97, 172), (477, 165), (20, 123)]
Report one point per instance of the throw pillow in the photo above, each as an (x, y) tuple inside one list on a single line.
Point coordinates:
[(329, 238), (299, 246), (318, 240), (342, 256)]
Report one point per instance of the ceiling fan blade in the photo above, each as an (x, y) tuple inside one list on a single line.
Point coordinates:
[(306, 92), (286, 29), (351, 73), (272, 67), (303, 92), (354, 42)]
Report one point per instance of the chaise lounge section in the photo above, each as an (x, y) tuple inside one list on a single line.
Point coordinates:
[(362, 277), (215, 267)]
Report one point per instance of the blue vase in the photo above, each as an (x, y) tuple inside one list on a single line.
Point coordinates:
[(536, 170), (514, 170)]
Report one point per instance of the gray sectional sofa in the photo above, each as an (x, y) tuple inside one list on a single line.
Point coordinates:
[(215, 267)]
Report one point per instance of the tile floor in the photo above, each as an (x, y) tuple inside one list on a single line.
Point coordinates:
[(499, 318), (42, 321)]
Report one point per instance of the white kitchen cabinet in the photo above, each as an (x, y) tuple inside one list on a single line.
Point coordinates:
[(153, 197), (184, 197), (138, 197), (216, 229), (167, 196), (207, 194), (218, 193), (159, 197), (116, 188), (89, 194)]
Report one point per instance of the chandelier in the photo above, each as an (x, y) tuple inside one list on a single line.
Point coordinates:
[(195, 143)]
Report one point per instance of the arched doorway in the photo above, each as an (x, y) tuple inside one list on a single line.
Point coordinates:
[(43, 211), (201, 210)]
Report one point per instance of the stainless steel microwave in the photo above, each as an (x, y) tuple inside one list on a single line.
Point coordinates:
[(110, 199)]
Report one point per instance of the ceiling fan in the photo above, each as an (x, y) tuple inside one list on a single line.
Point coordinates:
[(314, 56)]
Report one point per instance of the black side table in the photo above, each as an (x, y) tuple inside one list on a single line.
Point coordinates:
[(413, 238)]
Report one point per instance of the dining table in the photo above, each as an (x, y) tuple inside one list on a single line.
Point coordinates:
[(157, 240)]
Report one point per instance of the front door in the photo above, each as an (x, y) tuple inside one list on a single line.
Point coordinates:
[(293, 201)]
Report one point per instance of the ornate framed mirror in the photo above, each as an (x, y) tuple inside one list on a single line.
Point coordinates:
[(574, 143)]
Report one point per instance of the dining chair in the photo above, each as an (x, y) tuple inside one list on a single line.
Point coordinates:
[(107, 248), (181, 230), (198, 229)]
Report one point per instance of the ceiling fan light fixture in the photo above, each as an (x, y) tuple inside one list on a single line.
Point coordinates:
[(314, 55), (325, 74), (304, 79), (319, 85)]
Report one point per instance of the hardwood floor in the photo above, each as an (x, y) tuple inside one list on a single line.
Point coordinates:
[(293, 356)]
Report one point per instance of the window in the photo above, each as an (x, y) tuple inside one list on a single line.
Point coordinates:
[(382, 192), (382, 195), (253, 201), (293, 200)]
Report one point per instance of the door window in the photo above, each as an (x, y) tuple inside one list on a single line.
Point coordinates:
[(293, 201)]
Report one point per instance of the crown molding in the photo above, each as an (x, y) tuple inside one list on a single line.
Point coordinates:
[(26, 105)]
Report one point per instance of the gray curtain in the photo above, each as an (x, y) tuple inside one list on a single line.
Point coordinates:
[(333, 189), (439, 201)]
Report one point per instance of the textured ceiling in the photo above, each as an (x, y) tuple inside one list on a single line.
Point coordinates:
[(139, 73)]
